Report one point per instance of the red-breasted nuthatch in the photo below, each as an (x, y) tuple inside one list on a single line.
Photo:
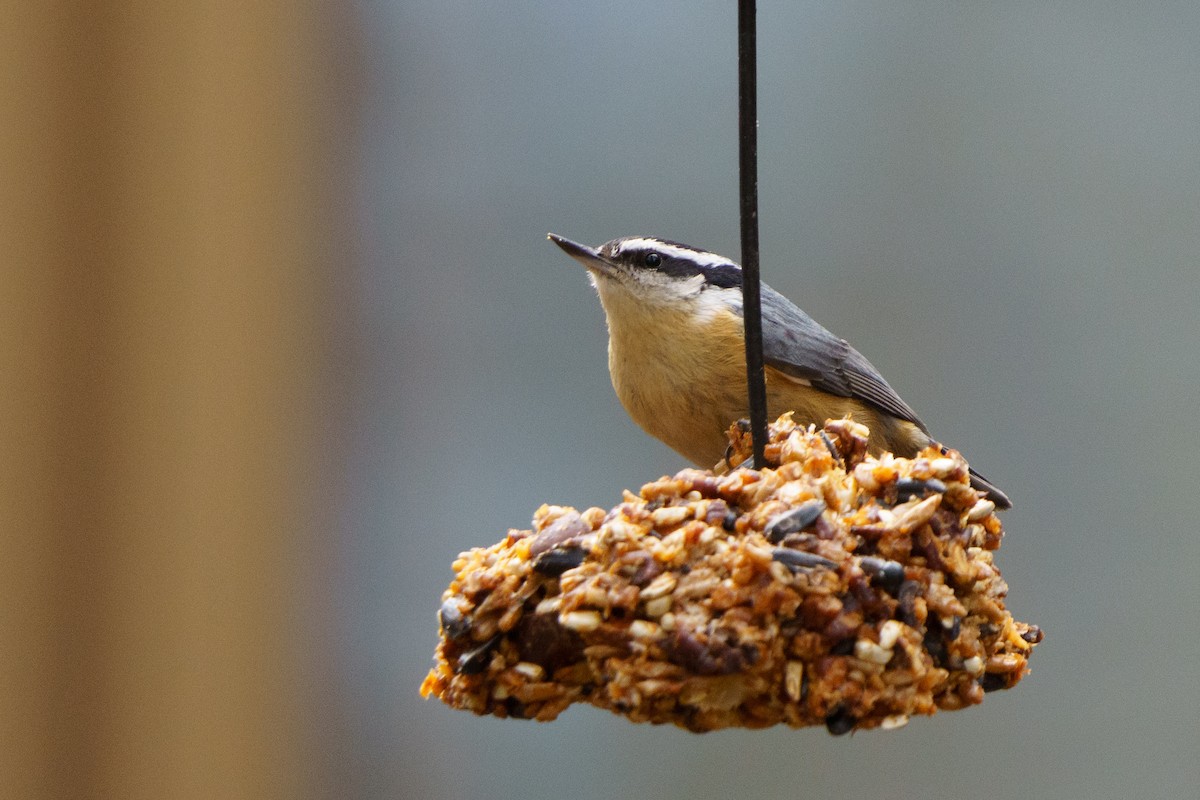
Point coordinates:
[(676, 354)]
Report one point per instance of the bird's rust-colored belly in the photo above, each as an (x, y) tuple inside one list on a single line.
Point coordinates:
[(686, 384), (690, 403)]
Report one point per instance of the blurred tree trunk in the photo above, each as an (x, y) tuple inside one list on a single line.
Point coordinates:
[(161, 175)]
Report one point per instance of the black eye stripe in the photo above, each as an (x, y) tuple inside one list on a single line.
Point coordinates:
[(724, 276)]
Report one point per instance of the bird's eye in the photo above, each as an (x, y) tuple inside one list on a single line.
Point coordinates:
[(652, 259)]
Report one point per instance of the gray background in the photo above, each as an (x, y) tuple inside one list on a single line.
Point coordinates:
[(998, 203)]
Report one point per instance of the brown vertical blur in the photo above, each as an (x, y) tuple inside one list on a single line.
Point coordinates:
[(162, 288)]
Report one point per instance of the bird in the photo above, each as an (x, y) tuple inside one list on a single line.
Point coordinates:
[(676, 354)]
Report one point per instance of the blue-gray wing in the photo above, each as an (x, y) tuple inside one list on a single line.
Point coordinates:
[(797, 345)]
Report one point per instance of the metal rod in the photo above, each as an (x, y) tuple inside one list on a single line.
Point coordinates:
[(748, 189)]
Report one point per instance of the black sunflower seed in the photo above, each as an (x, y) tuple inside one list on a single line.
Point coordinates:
[(798, 559), (887, 575), (553, 563), (794, 521)]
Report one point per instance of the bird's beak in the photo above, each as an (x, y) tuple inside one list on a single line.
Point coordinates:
[(588, 256)]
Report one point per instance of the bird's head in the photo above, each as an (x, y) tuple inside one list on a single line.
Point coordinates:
[(649, 272)]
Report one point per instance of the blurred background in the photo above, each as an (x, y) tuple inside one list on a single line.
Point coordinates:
[(282, 335)]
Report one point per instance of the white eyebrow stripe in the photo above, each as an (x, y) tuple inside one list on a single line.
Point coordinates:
[(698, 257)]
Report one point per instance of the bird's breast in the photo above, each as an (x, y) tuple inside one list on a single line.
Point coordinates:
[(680, 378)]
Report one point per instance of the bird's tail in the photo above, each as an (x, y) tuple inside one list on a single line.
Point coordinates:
[(984, 485)]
